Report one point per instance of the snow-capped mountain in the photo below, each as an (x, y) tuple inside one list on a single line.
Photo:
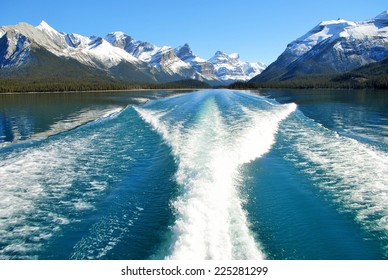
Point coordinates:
[(183, 61), (227, 68), (21, 42), (332, 47), (231, 68), (117, 55)]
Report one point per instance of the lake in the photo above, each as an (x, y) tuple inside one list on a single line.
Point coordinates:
[(210, 174)]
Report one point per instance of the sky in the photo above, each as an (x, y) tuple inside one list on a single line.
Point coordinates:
[(257, 30)]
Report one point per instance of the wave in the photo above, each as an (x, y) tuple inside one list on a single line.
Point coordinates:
[(211, 222), (353, 173), (45, 184)]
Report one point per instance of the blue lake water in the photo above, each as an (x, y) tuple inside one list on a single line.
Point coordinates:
[(212, 174)]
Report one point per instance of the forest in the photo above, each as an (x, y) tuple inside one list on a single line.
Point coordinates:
[(8, 85)]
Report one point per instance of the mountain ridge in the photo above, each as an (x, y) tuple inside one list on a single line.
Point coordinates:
[(332, 47), (205, 70), (118, 56)]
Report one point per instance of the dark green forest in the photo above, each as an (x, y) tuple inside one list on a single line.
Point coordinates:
[(8, 85), (345, 81)]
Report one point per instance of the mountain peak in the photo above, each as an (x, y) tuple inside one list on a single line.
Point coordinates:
[(339, 21), (185, 53), (383, 15), (44, 26), (219, 53), (117, 34), (120, 39), (223, 56), (185, 48)]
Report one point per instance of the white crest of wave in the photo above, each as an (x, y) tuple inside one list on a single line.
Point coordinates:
[(355, 174), (211, 222)]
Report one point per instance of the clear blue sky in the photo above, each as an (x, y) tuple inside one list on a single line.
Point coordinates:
[(257, 30)]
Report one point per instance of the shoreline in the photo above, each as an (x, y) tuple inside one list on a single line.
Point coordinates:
[(99, 91), (187, 89)]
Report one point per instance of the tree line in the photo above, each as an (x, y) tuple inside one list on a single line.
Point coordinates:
[(8, 85)]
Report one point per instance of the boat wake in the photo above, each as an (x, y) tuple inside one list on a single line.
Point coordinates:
[(211, 222), (352, 173)]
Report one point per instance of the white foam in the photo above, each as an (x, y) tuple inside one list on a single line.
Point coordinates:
[(37, 191), (28, 179), (112, 113), (104, 235), (354, 173), (210, 220), (140, 100)]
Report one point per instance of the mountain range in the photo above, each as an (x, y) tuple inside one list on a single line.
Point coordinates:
[(42, 50), (335, 46), (330, 48)]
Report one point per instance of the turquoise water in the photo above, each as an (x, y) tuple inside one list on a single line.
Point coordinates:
[(213, 174)]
